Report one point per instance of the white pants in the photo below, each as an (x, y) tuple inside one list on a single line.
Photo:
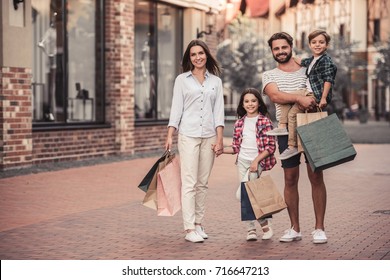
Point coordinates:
[(196, 159), (243, 166)]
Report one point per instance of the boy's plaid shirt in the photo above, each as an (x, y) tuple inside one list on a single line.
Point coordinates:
[(324, 70)]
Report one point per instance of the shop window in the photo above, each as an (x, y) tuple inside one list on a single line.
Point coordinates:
[(68, 72), (158, 51)]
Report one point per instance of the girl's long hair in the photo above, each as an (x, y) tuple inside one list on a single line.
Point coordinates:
[(262, 107), (212, 64)]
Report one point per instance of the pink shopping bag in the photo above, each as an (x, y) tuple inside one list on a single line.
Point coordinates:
[(169, 189)]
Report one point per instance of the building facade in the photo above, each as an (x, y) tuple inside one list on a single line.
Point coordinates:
[(91, 78), (364, 24)]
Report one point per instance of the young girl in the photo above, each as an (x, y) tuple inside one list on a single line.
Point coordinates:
[(255, 149)]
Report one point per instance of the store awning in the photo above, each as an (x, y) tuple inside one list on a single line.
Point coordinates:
[(258, 8), (255, 8), (287, 4)]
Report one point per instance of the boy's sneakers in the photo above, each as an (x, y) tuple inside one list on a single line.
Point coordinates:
[(287, 153), (277, 132), (319, 236), (290, 235)]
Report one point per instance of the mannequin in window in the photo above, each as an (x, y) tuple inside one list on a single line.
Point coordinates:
[(48, 44), (143, 95)]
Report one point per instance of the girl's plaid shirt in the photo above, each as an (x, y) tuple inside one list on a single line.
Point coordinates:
[(264, 142)]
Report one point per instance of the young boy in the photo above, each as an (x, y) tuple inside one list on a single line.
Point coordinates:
[(321, 73)]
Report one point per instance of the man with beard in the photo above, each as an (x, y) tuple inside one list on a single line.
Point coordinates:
[(278, 84)]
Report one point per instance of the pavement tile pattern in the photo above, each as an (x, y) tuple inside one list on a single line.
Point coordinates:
[(95, 213)]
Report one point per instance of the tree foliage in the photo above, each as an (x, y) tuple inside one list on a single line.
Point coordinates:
[(243, 56), (383, 64)]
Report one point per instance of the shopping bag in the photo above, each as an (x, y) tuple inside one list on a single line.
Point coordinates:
[(305, 118), (150, 177), (326, 144), (264, 197), (247, 213), (150, 199), (169, 189)]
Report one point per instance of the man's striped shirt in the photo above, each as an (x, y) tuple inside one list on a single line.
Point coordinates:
[(286, 82)]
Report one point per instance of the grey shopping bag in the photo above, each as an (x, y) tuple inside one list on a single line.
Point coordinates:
[(325, 142)]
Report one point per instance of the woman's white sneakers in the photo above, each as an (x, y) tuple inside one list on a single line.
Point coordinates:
[(200, 230), (193, 236)]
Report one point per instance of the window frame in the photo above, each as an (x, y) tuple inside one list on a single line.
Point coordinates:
[(100, 65), (140, 122)]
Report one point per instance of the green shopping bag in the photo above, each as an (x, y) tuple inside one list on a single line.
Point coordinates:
[(325, 142)]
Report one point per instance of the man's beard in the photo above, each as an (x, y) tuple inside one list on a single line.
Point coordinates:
[(284, 60)]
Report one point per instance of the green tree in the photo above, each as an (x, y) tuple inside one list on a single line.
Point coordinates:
[(383, 64), (243, 57), (240, 56)]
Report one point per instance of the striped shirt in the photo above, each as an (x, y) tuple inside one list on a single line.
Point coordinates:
[(286, 82)]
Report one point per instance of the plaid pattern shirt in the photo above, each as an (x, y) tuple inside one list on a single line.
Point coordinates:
[(324, 70), (264, 142)]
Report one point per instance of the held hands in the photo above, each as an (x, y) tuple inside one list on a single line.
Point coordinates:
[(217, 148)]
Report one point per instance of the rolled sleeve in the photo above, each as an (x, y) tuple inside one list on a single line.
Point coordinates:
[(177, 104), (219, 108)]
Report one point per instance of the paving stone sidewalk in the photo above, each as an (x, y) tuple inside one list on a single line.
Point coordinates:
[(95, 212)]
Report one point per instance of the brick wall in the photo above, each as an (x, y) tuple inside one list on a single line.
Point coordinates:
[(56, 146), (150, 138), (20, 146), (120, 72), (15, 117)]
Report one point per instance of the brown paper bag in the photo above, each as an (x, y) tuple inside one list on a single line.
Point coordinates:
[(305, 118), (264, 196)]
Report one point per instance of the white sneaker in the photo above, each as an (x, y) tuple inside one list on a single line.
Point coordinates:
[(251, 235), (193, 236), (290, 235), (267, 234), (277, 132), (200, 230), (287, 153), (319, 236)]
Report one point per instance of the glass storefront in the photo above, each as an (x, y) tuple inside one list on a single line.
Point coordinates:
[(68, 57), (158, 51)]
